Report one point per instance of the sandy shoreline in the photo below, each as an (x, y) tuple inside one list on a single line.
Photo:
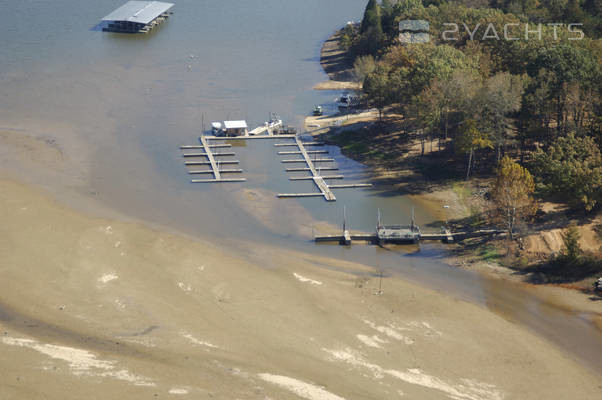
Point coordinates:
[(336, 66), (102, 306)]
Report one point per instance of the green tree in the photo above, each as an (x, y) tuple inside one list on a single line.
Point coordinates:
[(430, 116), (571, 251), (537, 109), (455, 94), (571, 169), (402, 7), (387, 11), (469, 139), (428, 61), (348, 36), (378, 89), (568, 64), (371, 18), (500, 96), (580, 105), (363, 66), (512, 195), (556, 8)]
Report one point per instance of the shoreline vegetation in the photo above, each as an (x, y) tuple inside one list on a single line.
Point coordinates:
[(403, 161)]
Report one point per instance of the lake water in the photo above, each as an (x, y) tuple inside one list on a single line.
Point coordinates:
[(127, 102)]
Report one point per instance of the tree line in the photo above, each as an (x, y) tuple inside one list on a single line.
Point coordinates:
[(535, 100)]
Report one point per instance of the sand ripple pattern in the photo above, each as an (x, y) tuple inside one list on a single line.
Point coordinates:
[(468, 389), (81, 362), (300, 388)]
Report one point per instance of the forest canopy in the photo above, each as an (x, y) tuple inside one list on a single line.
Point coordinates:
[(535, 96)]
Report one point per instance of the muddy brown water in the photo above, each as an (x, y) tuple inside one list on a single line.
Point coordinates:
[(128, 102)]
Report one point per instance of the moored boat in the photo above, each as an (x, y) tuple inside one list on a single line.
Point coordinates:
[(347, 102)]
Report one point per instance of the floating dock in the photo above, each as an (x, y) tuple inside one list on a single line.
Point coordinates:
[(295, 144), (446, 237), (205, 151), (268, 128), (251, 137), (319, 180), (211, 161)]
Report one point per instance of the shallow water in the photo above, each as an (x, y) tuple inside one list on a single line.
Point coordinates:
[(130, 101)]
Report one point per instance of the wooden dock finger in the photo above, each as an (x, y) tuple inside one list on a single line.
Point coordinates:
[(209, 162), (308, 152), (210, 171), (217, 180), (308, 178), (305, 161)]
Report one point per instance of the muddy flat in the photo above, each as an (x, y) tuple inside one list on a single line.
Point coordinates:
[(97, 308)]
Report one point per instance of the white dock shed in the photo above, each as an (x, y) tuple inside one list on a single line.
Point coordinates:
[(236, 128)]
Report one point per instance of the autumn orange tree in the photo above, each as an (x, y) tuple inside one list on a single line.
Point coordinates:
[(512, 195)]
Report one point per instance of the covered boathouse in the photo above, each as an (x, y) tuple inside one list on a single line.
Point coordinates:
[(236, 128), (137, 16)]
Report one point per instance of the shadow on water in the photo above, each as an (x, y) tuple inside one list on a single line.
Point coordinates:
[(98, 27), (129, 35)]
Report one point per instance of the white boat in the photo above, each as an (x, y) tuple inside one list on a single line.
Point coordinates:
[(216, 128), (267, 126), (347, 102)]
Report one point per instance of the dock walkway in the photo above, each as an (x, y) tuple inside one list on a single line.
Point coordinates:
[(319, 180), (214, 164), (446, 237), (267, 127), (205, 150), (315, 176)]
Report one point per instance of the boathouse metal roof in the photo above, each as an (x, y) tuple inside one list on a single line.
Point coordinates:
[(142, 12), (235, 124)]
